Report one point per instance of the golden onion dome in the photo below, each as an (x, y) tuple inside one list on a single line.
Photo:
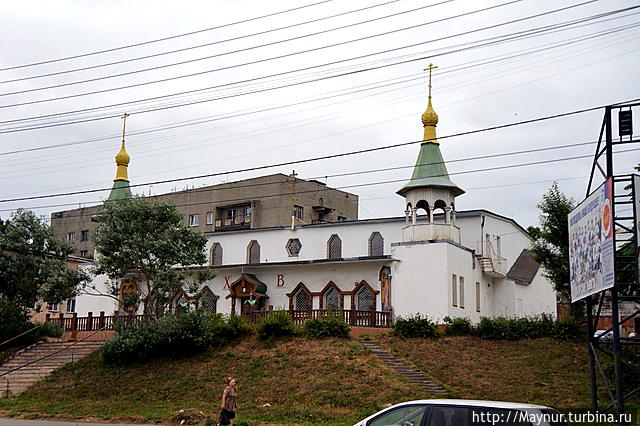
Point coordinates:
[(429, 117), (122, 157)]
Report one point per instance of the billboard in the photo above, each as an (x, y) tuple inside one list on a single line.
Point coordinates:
[(591, 248)]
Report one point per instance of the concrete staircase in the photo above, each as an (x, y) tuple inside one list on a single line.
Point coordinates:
[(14, 383), (403, 369)]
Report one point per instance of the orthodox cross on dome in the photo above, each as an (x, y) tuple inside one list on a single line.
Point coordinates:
[(430, 68), (125, 115)]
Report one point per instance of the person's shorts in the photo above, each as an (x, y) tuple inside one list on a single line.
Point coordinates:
[(226, 416)]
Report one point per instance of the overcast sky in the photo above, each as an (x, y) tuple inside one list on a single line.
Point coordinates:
[(571, 68)]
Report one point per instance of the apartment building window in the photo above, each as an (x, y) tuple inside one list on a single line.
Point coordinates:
[(84, 253), (71, 237), (84, 235), (477, 297), (298, 212), (454, 289), (462, 292), (209, 218), (194, 220), (53, 307), (71, 305), (233, 217)]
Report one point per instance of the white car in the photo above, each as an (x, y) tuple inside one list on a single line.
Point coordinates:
[(462, 412)]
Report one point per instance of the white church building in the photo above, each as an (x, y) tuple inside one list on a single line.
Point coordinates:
[(434, 260)]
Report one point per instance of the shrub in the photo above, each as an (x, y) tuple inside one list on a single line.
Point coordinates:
[(527, 328), (415, 326), (457, 326), (172, 335), (50, 329), (278, 324), (568, 330), (326, 327)]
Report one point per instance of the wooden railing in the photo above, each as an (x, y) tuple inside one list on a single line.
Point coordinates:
[(106, 322), (93, 322), (353, 317)]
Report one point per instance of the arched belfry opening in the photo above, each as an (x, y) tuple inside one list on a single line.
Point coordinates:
[(430, 191)]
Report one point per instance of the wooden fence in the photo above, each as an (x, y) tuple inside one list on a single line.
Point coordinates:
[(353, 317)]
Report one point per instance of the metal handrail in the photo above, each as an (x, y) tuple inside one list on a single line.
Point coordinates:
[(52, 353), (20, 335)]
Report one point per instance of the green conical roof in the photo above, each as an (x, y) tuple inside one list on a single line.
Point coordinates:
[(430, 171), (120, 190)]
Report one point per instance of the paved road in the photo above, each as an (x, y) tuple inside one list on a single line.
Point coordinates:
[(11, 422)]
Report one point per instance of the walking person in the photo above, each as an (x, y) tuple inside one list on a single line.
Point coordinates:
[(229, 404)]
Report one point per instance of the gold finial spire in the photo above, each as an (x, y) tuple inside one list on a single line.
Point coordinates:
[(122, 157), (429, 117)]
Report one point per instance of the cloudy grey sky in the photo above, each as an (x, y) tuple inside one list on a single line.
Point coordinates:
[(593, 62)]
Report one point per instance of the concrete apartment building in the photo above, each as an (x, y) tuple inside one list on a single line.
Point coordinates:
[(261, 202)]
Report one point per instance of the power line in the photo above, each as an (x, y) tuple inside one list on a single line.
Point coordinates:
[(463, 159), (18, 129), (215, 118), (367, 184), (330, 156), (144, 43), (214, 43), (287, 55)]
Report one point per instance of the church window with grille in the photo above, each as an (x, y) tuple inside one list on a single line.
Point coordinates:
[(332, 299), (253, 252), (208, 301), (216, 254), (365, 299), (294, 246), (454, 289), (302, 300), (334, 247), (376, 244)]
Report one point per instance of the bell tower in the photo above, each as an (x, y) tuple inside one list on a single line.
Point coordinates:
[(430, 189)]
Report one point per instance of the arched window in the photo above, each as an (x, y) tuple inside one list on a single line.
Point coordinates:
[(365, 299), (422, 205), (332, 299), (216, 254), (208, 301), (302, 300), (440, 208), (153, 306), (376, 244), (334, 247), (253, 252)]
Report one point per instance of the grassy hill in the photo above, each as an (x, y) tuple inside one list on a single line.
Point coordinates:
[(313, 382)]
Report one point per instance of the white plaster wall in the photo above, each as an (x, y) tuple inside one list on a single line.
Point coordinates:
[(463, 264), (504, 303), (95, 304), (354, 236), (538, 297), (418, 280)]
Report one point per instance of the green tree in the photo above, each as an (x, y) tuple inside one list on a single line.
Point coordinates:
[(148, 242), (551, 239), (33, 268)]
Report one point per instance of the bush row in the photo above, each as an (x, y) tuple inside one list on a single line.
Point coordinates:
[(490, 328), (193, 332)]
